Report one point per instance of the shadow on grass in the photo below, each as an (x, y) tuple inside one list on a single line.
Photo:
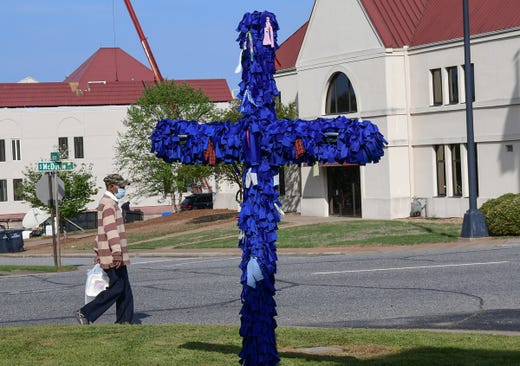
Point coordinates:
[(229, 349), (436, 231), (214, 217), (424, 356)]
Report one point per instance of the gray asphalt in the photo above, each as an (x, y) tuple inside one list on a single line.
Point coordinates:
[(472, 286)]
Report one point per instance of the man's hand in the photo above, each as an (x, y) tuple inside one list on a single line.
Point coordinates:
[(116, 264)]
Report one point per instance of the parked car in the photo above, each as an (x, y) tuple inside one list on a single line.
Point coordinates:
[(197, 202)]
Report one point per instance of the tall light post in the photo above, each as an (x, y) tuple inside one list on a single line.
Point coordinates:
[(474, 224)]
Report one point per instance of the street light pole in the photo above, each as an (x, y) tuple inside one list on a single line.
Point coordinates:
[(474, 224)]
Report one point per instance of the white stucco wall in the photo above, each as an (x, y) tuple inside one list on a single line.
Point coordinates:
[(496, 118), (39, 129), (334, 30), (501, 166), (314, 191), (288, 83)]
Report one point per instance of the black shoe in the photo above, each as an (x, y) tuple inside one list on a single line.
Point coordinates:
[(81, 318)]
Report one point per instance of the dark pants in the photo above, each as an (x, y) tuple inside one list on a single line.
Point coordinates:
[(118, 291)]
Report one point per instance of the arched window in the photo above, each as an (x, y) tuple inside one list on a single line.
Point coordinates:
[(340, 96)]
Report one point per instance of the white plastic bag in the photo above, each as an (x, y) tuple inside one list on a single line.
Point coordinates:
[(97, 281)]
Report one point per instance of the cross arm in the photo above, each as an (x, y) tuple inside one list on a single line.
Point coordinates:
[(192, 142), (325, 140)]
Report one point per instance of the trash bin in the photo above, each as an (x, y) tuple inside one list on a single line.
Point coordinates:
[(11, 241), (133, 215), (3, 241), (85, 220)]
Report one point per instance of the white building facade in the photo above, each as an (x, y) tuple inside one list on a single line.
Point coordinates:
[(29, 135), (415, 93), (89, 132), (81, 116)]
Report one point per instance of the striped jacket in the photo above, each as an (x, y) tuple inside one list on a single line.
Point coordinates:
[(110, 241)]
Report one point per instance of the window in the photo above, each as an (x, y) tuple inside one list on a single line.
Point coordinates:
[(452, 167), (476, 169), (16, 150), (3, 190), (78, 147), (2, 150), (63, 147), (456, 170), (473, 74), (451, 81), (340, 96), (17, 183), (441, 170), (453, 84), (436, 86)]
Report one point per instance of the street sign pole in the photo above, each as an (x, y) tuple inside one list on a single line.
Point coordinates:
[(53, 219), (51, 168), (56, 203)]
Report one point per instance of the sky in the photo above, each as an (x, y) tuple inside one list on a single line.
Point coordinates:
[(190, 39)]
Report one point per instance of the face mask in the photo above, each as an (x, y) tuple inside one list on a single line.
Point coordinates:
[(120, 193)]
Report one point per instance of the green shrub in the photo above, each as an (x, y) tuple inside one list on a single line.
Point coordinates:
[(492, 203), (502, 215)]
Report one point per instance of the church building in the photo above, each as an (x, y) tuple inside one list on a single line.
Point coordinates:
[(400, 64)]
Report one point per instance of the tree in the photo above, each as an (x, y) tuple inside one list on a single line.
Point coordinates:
[(80, 187), (289, 111), (149, 175)]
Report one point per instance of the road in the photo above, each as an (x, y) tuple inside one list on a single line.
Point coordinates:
[(473, 288)]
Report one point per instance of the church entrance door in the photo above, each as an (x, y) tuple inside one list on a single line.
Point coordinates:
[(344, 190)]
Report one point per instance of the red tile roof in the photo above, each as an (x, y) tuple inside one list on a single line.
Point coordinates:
[(444, 21), (98, 82), (396, 21), (20, 95), (110, 64), (420, 22), (286, 55)]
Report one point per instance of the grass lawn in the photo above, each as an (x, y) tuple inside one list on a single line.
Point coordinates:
[(219, 345), (352, 232)]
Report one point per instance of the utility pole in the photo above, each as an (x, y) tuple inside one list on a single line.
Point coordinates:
[(474, 224)]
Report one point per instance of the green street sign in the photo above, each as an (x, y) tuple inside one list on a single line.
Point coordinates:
[(55, 166), (55, 156)]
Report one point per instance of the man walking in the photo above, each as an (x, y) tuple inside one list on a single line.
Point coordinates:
[(112, 254)]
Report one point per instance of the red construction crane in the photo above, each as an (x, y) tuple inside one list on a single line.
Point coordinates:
[(147, 50)]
